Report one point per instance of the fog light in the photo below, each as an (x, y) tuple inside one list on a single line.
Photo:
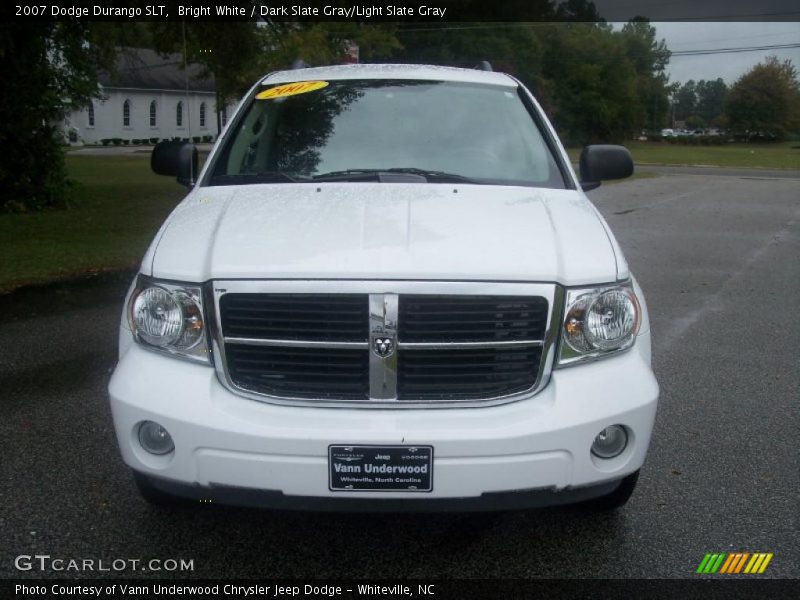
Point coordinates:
[(610, 442), (154, 438)]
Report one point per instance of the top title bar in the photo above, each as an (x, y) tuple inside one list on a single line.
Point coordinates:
[(408, 11)]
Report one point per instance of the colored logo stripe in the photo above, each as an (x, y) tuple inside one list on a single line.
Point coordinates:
[(735, 562), (710, 563), (758, 563), (727, 564)]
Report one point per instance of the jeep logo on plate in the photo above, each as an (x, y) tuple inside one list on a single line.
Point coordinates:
[(383, 345)]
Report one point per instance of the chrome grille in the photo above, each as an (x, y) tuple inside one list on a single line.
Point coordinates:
[(300, 372), (450, 348), (318, 317), (468, 347), (466, 374), (471, 318)]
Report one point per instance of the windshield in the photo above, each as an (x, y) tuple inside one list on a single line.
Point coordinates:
[(366, 130)]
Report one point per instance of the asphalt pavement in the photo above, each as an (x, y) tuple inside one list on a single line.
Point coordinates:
[(718, 257)]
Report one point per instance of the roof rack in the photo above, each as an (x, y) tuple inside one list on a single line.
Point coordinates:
[(299, 63), (484, 65)]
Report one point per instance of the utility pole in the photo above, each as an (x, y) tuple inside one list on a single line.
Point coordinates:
[(219, 119)]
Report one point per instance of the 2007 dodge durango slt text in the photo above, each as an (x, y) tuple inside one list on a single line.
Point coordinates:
[(386, 289)]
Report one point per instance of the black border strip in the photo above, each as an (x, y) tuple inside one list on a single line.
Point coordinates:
[(405, 11), (706, 587)]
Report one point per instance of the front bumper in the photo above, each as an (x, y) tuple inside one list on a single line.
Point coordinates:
[(233, 449), (491, 501)]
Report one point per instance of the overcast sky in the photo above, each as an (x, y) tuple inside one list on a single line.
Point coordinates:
[(694, 35)]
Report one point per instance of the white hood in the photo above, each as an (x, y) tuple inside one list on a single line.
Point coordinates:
[(386, 231)]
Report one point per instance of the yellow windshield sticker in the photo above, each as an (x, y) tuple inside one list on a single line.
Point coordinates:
[(291, 89)]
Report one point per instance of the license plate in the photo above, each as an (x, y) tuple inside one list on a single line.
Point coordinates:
[(380, 468)]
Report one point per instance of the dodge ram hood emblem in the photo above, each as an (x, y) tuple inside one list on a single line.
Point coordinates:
[(383, 345)]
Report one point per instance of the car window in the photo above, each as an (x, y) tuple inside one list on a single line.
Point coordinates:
[(481, 132)]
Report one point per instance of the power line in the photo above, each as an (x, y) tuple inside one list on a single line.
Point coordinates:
[(589, 57), (699, 52), (738, 37)]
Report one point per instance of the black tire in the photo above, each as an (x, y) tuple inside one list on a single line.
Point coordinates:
[(155, 496), (619, 497)]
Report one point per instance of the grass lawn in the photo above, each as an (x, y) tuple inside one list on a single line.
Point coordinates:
[(762, 156), (117, 207)]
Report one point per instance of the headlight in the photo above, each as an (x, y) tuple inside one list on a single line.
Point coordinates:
[(169, 317), (598, 321)]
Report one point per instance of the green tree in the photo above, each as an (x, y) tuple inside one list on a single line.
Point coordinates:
[(591, 84), (51, 68), (510, 47), (766, 99), (685, 100), (695, 122), (577, 11), (649, 58), (710, 99)]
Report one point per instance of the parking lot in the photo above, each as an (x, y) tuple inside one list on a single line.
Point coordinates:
[(718, 255)]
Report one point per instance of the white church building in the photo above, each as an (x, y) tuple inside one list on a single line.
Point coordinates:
[(145, 98)]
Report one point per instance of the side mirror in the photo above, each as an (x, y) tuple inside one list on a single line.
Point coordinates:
[(603, 162), (177, 159)]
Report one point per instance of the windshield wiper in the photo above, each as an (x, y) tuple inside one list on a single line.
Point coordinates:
[(379, 175), (442, 176), (263, 177), (349, 175), (375, 175)]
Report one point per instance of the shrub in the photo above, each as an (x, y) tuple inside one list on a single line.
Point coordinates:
[(105, 141), (116, 141), (126, 142), (701, 140), (208, 138), (21, 192), (196, 139), (154, 140), (136, 141)]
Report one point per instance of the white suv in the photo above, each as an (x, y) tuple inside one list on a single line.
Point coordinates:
[(386, 289)]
